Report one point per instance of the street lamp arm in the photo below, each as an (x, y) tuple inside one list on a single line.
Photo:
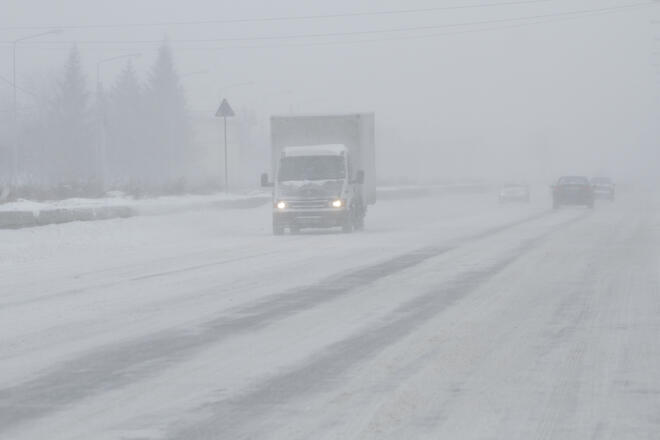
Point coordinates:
[(106, 60), (29, 37), (130, 55)]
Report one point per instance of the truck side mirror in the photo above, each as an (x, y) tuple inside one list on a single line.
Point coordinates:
[(359, 177), (264, 180)]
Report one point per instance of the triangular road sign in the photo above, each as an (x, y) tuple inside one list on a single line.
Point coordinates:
[(225, 110)]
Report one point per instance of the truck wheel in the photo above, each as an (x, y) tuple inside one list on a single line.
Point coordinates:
[(277, 229), (359, 214), (347, 226)]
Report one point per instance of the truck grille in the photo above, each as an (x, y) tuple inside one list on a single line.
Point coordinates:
[(309, 204)]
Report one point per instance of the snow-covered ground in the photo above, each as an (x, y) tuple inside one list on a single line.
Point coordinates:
[(449, 317)]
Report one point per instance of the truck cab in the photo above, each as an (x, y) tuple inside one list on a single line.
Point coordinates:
[(316, 187)]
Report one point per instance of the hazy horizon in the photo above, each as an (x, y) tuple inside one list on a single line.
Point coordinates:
[(526, 99)]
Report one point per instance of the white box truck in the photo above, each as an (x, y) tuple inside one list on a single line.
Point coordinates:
[(324, 171)]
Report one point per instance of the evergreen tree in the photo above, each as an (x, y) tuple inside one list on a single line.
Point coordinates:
[(169, 131)]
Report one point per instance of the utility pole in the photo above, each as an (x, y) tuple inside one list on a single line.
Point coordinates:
[(225, 111)]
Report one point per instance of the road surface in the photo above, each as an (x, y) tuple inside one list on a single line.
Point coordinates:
[(449, 317)]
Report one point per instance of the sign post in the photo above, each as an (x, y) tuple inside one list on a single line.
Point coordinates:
[(225, 111)]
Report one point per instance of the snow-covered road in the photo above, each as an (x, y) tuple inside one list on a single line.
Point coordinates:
[(449, 317)]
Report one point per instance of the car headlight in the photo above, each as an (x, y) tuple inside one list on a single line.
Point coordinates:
[(337, 204), (281, 205)]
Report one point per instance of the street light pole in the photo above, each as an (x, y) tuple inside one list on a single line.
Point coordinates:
[(101, 152), (14, 150), (14, 44)]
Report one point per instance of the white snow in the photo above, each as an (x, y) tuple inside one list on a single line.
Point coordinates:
[(521, 322), (146, 205)]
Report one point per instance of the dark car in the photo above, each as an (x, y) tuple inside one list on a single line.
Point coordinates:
[(572, 190), (514, 192), (603, 187)]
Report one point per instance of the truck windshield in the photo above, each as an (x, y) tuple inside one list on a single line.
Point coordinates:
[(311, 168)]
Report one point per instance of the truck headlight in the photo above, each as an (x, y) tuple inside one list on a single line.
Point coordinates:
[(281, 205), (337, 204)]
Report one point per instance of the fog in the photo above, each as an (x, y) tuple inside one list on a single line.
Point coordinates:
[(291, 219), (472, 93)]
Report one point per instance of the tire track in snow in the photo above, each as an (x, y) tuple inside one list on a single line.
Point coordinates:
[(231, 418), (128, 280), (120, 364), (576, 318)]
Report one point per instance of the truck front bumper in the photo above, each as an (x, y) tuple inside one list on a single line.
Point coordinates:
[(326, 218)]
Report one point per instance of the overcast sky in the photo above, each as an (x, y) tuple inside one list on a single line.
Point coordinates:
[(526, 98)]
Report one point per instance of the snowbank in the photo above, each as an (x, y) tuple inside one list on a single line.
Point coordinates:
[(27, 213)]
